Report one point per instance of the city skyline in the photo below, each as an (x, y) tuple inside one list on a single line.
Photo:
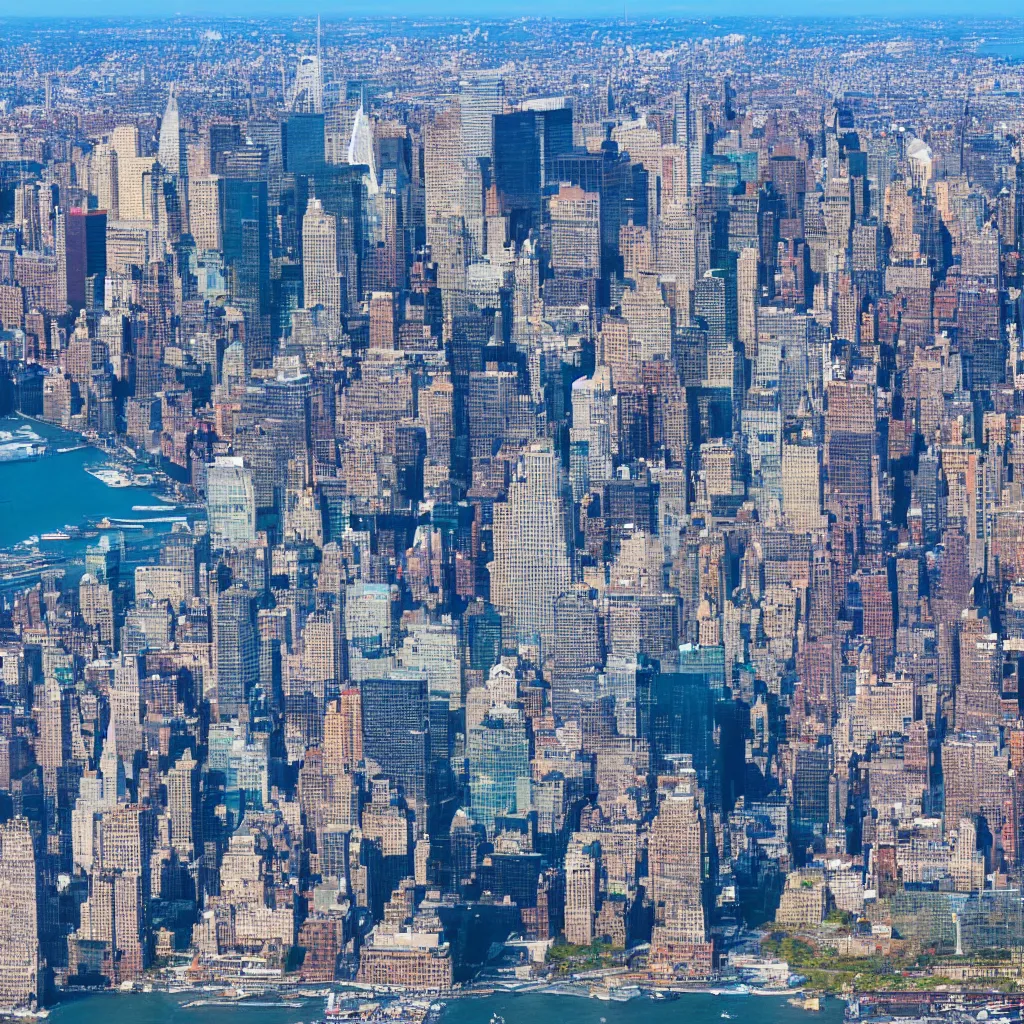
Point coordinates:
[(530, 505), (633, 10)]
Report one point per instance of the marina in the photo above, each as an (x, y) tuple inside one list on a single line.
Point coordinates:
[(470, 1007), (109, 476), (21, 444), (54, 504)]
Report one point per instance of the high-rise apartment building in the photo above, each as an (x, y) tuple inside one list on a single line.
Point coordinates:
[(231, 502), (19, 916), (532, 547), (321, 282)]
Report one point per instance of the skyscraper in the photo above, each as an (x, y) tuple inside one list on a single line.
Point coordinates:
[(85, 260), (302, 143), (19, 916), (482, 97), (231, 502), (172, 152), (678, 873), (396, 731), (182, 799), (245, 232), (576, 230), (236, 649), (499, 764), (532, 547), (320, 279), (308, 88)]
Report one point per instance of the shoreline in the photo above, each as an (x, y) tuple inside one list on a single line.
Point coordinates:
[(295, 998), (286, 996), (876, 1005), (83, 507)]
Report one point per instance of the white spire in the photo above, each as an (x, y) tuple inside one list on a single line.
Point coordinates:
[(360, 147), (171, 150), (112, 768)]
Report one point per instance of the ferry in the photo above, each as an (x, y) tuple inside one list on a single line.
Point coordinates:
[(120, 524), (132, 523), (55, 535)]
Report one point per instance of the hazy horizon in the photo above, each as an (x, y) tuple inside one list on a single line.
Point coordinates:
[(901, 10)]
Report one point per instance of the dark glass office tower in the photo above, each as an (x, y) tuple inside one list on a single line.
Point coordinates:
[(396, 731), (223, 138), (302, 143), (246, 234), (610, 174), (237, 648), (526, 147), (343, 194), (517, 169)]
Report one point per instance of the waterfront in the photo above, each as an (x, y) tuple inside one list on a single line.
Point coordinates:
[(161, 1008), (44, 494), (38, 495)]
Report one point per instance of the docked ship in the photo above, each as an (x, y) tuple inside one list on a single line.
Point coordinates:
[(110, 476), (21, 451), (400, 1011)]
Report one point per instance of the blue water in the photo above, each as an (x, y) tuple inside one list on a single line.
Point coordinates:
[(44, 494), (158, 1008)]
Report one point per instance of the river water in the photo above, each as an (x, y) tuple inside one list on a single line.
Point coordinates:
[(160, 1008), (41, 495)]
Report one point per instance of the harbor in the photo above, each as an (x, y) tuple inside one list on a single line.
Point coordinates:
[(59, 494), (471, 1007)]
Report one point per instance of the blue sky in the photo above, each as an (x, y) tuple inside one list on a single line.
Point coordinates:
[(508, 8)]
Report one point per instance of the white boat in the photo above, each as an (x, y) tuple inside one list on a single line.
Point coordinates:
[(110, 477), (19, 451), (143, 522), (121, 524), (55, 535)]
